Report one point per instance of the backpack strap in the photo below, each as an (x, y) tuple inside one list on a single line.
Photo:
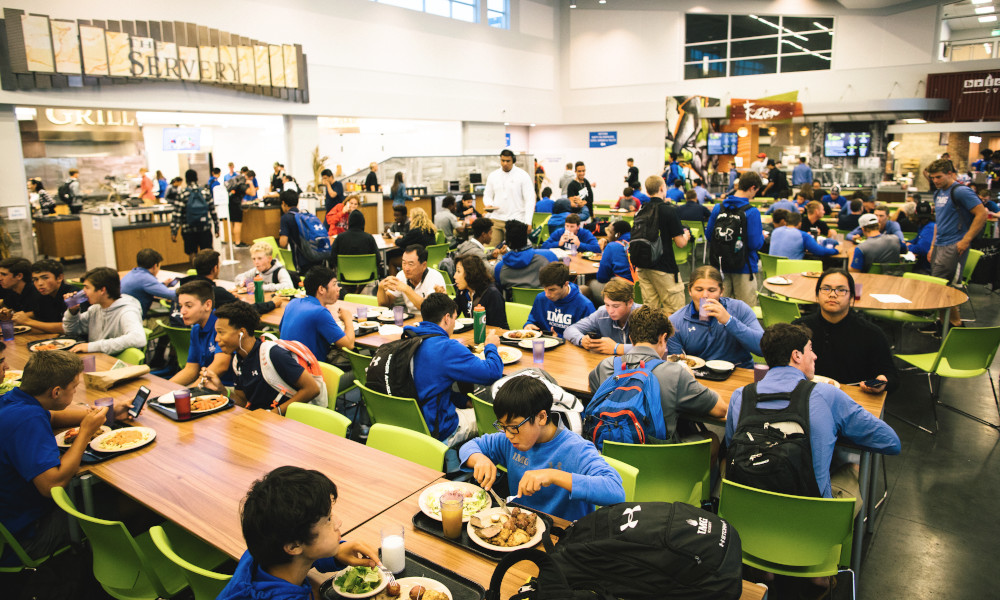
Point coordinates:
[(550, 577), (798, 401)]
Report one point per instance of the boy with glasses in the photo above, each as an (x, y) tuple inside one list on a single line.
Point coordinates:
[(549, 468)]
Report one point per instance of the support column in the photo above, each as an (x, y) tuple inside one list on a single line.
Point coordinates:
[(301, 139), (14, 208)]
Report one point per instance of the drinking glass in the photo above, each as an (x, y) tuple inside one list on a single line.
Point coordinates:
[(393, 548), (7, 328), (109, 418), (451, 514), (182, 404), (538, 351), (857, 291), (397, 315), (362, 313), (759, 371), (89, 363)]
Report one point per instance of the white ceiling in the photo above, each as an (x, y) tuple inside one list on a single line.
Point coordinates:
[(962, 15)]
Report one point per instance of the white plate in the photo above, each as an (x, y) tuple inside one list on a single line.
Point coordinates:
[(778, 280), (62, 343), (698, 362), (390, 330), (61, 436), (13, 375), (523, 334), (460, 321), (540, 524), (513, 355), (149, 436), (720, 365), (530, 344), (166, 399), (408, 583), (426, 500), (822, 379), (207, 410), (378, 588), (21, 329)]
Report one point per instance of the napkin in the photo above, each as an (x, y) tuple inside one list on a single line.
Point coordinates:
[(390, 330)]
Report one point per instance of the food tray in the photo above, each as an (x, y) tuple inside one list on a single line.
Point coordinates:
[(91, 456), (461, 588), (709, 375), (171, 413), (592, 258), (515, 343), (428, 525)]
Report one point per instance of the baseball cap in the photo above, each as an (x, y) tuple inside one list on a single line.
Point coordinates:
[(924, 208), (868, 220), (762, 155)]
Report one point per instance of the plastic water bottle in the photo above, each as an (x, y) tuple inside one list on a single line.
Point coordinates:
[(478, 324), (258, 288)]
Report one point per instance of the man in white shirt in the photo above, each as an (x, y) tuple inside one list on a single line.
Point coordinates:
[(413, 283), (512, 192), (760, 165)]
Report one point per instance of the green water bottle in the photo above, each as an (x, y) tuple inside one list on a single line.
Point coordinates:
[(478, 325), (258, 288)]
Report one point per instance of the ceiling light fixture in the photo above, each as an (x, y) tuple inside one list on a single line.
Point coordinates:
[(506, 124), (984, 10), (804, 131), (572, 5), (772, 131), (602, 1), (988, 19), (975, 139), (981, 1), (742, 132)]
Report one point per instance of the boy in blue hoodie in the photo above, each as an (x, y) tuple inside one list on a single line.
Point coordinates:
[(289, 527), (544, 205), (520, 266), (572, 233), (549, 468), (560, 304)]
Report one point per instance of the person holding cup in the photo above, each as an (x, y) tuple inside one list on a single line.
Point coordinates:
[(712, 327)]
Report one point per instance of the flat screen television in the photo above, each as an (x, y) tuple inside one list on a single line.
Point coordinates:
[(849, 144), (182, 139), (723, 143), (475, 178)]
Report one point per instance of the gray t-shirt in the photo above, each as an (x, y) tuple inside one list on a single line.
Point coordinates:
[(883, 248), (446, 222), (680, 392)]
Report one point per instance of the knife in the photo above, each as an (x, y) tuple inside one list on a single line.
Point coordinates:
[(500, 501)]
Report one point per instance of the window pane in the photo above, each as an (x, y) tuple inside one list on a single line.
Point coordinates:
[(807, 23), (498, 20), (805, 62), (761, 47), (712, 51), (438, 7), (746, 26), (816, 42), (705, 70), (410, 4), (497, 5), (756, 66), (463, 12), (706, 28)]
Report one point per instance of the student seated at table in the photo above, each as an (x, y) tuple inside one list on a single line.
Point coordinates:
[(290, 528), (206, 268), (339, 216), (835, 199), (564, 207), (790, 241), (848, 218), (614, 258), (692, 209), (789, 353), (885, 225), (142, 283), (878, 247), (850, 348), (730, 330), (549, 468), (274, 274), (778, 219), (30, 463), (475, 288), (112, 323), (476, 244), (560, 304), (197, 302), (675, 192), (16, 290), (234, 333), (786, 204), (813, 217), (545, 202), (921, 244), (420, 232), (447, 221), (354, 242), (627, 200), (521, 263), (983, 192), (680, 392), (400, 221), (468, 208), (610, 321), (47, 277), (440, 362), (309, 320), (413, 283), (572, 233)]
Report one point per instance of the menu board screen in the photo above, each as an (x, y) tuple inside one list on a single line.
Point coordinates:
[(847, 144), (722, 143)]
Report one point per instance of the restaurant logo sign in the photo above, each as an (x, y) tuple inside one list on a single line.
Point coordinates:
[(47, 53), (759, 111), (981, 85), (973, 95)]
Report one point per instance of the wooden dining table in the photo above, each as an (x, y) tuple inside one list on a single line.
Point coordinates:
[(922, 295)]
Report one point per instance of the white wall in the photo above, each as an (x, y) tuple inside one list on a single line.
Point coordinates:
[(380, 139)]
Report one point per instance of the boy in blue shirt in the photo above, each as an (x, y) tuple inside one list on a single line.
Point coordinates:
[(196, 301), (141, 282), (544, 205), (289, 527), (308, 320), (560, 304), (791, 242), (550, 468), (572, 233)]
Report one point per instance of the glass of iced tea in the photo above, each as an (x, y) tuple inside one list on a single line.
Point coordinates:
[(451, 514)]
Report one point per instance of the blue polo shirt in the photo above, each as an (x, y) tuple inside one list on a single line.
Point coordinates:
[(251, 382), (27, 449), (203, 348), (953, 213), (307, 321)]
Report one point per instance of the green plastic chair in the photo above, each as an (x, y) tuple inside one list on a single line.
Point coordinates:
[(629, 475), (484, 415), (896, 269), (776, 310), (445, 276), (970, 265), (927, 278), (517, 314), (539, 219), (132, 356), (287, 258), (786, 266), (357, 269), (205, 584), (328, 420), (966, 352), (909, 236), (359, 364), (405, 443), (681, 255), (180, 340), (768, 264), (361, 299), (275, 249), (667, 472), (191, 272), (440, 238), (392, 410), (543, 235), (26, 562), (131, 568), (790, 535), (697, 229), (331, 377), (435, 254), (525, 296)]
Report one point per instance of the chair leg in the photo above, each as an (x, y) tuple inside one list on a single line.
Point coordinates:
[(994, 426), (854, 582), (933, 410)]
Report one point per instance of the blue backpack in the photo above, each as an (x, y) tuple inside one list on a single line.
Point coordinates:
[(314, 243), (197, 207), (626, 407)]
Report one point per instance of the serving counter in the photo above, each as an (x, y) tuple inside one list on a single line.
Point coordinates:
[(59, 236)]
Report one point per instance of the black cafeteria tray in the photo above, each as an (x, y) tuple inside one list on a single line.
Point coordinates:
[(461, 588), (91, 456), (515, 343), (433, 527), (709, 375), (171, 413)]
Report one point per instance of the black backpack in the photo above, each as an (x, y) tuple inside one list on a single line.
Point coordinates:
[(391, 369), (728, 251), (196, 211), (646, 247), (762, 455), (65, 192), (635, 551)]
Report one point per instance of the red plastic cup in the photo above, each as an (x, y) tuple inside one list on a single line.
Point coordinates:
[(182, 404), (857, 291), (759, 371)]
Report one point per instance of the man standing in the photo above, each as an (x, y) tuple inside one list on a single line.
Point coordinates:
[(632, 178), (802, 174), (277, 181), (230, 174), (333, 190), (567, 176), (581, 187), (739, 282), (878, 247), (194, 214), (371, 181), (759, 166), (509, 189), (661, 283), (69, 192), (288, 231), (960, 218), (777, 182), (308, 320), (413, 283)]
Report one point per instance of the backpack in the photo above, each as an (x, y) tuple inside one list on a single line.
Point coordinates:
[(314, 242), (646, 247), (65, 192), (306, 360), (569, 407), (674, 173), (626, 407), (197, 207), (728, 250), (635, 551), (763, 455), (391, 369), (236, 181)]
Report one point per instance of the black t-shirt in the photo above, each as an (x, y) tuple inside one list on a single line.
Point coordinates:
[(633, 177), (26, 301), (331, 201), (670, 227), (423, 237), (780, 187), (353, 243), (583, 190), (852, 350), (847, 221), (50, 309), (371, 182), (806, 225), (492, 300), (251, 381)]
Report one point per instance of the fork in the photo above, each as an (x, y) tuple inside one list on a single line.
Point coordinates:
[(388, 574)]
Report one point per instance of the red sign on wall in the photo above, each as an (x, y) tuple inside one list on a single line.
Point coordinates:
[(974, 95)]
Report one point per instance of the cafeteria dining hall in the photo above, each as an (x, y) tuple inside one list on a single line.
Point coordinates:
[(469, 299)]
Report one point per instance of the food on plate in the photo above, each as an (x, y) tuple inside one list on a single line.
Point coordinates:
[(475, 499), (207, 402), (812, 274), (522, 334), (71, 434), (417, 592), (124, 439), (287, 292), (683, 358), (392, 589), (507, 530), (464, 320), (358, 580), (59, 344), (13, 375), (368, 324)]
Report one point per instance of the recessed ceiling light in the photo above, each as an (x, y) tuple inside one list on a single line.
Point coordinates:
[(506, 124), (984, 10), (532, 125), (988, 19), (981, 1), (602, 1), (914, 121)]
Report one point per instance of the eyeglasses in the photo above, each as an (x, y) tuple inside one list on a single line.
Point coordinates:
[(511, 429), (841, 291)]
